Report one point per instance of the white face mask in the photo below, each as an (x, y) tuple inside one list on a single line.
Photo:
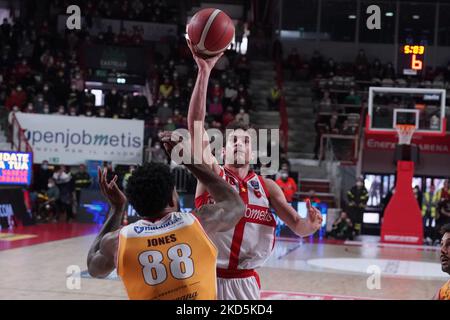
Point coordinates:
[(50, 185)]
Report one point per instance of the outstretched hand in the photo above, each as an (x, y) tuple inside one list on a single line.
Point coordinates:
[(110, 190), (203, 63), (314, 216)]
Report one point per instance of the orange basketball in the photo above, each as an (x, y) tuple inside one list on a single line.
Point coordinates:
[(210, 31)]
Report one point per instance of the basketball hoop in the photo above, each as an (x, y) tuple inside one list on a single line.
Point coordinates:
[(405, 133)]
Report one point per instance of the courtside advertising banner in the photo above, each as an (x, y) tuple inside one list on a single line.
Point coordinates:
[(15, 168), (73, 140)]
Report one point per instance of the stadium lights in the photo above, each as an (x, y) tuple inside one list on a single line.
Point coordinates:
[(121, 80), (416, 17), (389, 14), (352, 16)]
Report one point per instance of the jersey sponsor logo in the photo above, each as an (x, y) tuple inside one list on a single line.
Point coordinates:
[(140, 229), (254, 184), (257, 214)]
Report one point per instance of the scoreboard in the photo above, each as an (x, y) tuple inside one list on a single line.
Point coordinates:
[(411, 59)]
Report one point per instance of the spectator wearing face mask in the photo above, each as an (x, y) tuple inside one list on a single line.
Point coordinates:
[(113, 101), (357, 198), (158, 155), (39, 103), (164, 112), (243, 117), (61, 111), (102, 113), (228, 117), (18, 97), (177, 118), (215, 108), (41, 177), (287, 185), (352, 98), (65, 185), (46, 109), (170, 126), (73, 112)]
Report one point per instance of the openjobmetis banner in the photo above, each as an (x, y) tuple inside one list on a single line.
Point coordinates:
[(73, 140)]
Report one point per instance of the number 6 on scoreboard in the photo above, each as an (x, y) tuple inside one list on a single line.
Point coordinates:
[(181, 265)]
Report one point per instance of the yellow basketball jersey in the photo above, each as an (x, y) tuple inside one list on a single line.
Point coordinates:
[(170, 259), (444, 292)]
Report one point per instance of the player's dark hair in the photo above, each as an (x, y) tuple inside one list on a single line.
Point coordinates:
[(149, 189), (445, 228)]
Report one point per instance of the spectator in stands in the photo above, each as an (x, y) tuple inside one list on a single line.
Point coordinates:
[(353, 98), (342, 228), (418, 195), (51, 196), (165, 89), (239, 31), (376, 70), (316, 63), (178, 119), (346, 129), (164, 112), (61, 111), (82, 180), (242, 69), (228, 117), (430, 202), (222, 65), (230, 94), (357, 198), (273, 100), (158, 155), (127, 176), (330, 67), (361, 59), (333, 125), (287, 185), (277, 50), (113, 102), (293, 63), (215, 108), (18, 97), (243, 117), (41, 177), (170, 126), (64, 182), (389, 72)]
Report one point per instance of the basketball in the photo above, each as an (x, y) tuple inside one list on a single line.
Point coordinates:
[(210, 31)]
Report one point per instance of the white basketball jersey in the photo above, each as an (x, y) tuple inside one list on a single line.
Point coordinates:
[(250, 243)]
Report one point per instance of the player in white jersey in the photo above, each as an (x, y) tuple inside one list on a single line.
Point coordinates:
[(250, 243)]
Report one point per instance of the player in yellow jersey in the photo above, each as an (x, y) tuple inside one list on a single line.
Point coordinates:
[(444, 291), (166, 254)]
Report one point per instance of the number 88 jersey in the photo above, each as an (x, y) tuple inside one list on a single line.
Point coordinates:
[(169, 259)]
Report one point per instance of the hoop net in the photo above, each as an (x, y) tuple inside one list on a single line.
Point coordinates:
[(405, 133)]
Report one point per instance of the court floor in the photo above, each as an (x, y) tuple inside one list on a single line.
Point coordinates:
[(49, 262)]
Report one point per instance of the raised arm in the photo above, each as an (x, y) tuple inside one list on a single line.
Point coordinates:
[(228, 208), (197, 104), (302, 227), (100, 260)]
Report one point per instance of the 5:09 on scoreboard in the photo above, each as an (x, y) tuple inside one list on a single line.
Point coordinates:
[(411, 59)]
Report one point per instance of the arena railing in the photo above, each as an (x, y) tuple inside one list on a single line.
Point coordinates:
[(19, 141), (284, 124)]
